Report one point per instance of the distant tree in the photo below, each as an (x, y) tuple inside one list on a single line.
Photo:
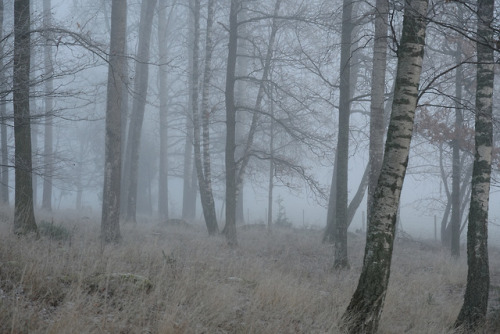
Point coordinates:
[(203, 161), (163, 111), (341, 259), (377, 119), (110, 223), (231, 186), (48, 161), (139, 103), (363, 313), (24, 216), (473, 312), (189, 182)]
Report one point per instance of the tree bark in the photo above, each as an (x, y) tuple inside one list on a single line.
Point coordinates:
[(377, 124), (189, 189), (4, 170), (473, 312), (110, 223), (203, 168), (329, 235), (24, 216), (456, 201), (49, 87), (341, 260), (139, 103), (231, 187), (163, 111), (363, 313)]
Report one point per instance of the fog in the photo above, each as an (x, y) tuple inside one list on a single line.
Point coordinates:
[(307, 76)]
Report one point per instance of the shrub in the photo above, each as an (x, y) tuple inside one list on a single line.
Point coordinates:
[(54, 232)]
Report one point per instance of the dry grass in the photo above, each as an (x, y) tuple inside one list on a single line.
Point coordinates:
[(272, 283)]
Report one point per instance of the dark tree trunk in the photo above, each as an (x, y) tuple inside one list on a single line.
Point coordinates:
[(473, 312), (4, 170), (189, 188), (24, 216), (49, 87), (341, 260), (363, 313), (110, 223), (163, 111), (139, 103), (231, 187)]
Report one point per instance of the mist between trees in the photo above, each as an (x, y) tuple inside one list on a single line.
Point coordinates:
[(223, 113)]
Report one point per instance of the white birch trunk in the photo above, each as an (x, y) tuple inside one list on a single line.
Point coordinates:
[(365, 308), (473, 313)]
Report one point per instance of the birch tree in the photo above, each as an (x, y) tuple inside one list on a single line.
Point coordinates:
[(473, 312), (203, 164), (110, 223), (363, 313)]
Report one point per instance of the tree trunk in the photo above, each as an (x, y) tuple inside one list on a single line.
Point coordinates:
[(231, 187), (163, 111), (341, 260), (377, 124), (125, 182), (363, 313), (24, 216), (456, 168), (329, 235), (4, 170), (49, 87), (189, 192), (271, 162), (473, 312), (110, 223), (242, 101), (139, 102), (203, 168), (358, 197), (255, 117)]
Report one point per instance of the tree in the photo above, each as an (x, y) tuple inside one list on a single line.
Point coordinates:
[(203, 168), (377, 124), (189, 183), (163, 110), (139, 103), (341, 260), (230, 164), (24, 216), (473, 312), (231, 108), (110, 223), (49, 87), (363, 313), (4, 181)]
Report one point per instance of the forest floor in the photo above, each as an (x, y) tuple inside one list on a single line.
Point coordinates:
[(176, 279)]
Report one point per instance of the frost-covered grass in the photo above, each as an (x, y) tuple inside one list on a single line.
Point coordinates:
[(179, 280)]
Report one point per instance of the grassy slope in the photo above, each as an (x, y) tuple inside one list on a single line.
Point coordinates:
[(272, 283)]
